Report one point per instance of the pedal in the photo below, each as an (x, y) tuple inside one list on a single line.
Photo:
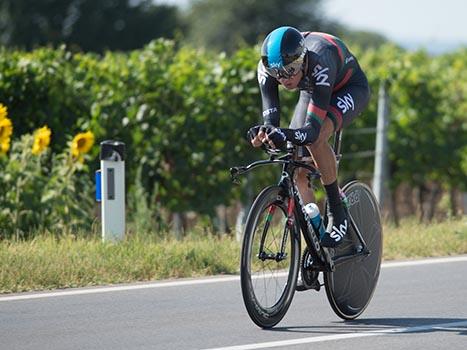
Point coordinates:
[(302, 286)]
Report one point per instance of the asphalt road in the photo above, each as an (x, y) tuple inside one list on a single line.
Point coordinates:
[(422, 305)]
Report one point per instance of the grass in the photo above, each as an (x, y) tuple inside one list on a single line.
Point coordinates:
[(48, 262), (412, 240)]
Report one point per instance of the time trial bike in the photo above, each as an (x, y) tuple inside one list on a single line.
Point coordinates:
[(271, 256)]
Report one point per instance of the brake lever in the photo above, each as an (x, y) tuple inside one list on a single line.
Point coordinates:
[(235, 172)]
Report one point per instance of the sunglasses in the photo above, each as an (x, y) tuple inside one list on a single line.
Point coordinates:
[(291, 70)]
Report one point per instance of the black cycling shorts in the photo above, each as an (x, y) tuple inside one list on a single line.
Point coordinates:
[(346, 103)]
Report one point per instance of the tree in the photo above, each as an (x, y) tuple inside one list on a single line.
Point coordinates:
[(88, 24), (226, 25), (119, 25)]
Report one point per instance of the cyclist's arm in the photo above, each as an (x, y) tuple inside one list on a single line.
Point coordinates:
[(323, 75), (268, 87)]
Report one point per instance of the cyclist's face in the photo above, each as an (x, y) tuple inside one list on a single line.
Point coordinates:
[(292, 82)]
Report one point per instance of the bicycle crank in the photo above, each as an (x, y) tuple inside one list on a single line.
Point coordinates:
[(309, 273)]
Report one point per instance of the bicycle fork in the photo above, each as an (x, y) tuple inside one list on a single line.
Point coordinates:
[(281, 254)]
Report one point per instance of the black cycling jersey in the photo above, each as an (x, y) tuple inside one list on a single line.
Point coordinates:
[(329, 70)]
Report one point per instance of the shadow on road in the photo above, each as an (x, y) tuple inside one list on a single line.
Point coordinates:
[(381, 324)]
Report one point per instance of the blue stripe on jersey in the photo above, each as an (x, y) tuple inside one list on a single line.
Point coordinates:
[(274, 47)]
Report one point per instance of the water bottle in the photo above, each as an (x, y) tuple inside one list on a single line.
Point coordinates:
[(312, 211)]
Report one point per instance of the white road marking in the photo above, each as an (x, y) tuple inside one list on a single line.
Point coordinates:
[(325, 338), (191, 282), (424, 261)]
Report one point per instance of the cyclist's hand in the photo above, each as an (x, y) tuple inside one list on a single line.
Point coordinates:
[(275, 137), (267, 135), (256, 135)]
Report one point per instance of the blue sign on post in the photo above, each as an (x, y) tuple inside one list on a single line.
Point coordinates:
[(98, 186)]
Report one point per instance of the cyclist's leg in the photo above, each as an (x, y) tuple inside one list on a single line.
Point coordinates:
[(345, 105), (323, 154), (303, 184), (349, 101), (298, 120)]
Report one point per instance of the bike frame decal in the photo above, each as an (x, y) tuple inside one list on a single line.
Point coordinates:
[(290, 211), (271, 211)]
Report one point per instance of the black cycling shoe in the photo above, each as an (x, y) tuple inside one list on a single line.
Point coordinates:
[(303, 285), (334, 236)]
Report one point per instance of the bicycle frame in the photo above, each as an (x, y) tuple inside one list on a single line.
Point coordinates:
[(290, 164)]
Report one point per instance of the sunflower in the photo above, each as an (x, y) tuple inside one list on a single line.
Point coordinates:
[(6, 129), (3, 111), (4, 146), (82, 143), (41, 140)]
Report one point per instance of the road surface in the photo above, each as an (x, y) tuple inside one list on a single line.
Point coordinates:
[(417, 305)]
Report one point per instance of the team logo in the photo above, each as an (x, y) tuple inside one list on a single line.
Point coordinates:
[(345, 103), (353, 197), (275, 65), (300, 136), (338, 233), (262, 75), (349, 59), (321, 76), (281, 133), (269, 111)]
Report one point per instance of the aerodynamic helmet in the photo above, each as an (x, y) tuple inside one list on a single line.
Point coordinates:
[(283, 52)]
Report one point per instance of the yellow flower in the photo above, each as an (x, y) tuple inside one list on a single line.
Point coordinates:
[(4, 146), (3, 111), (82, 143), (41, 140), (6, 129)]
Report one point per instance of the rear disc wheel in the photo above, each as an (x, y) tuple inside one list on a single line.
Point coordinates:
[(350, 287)]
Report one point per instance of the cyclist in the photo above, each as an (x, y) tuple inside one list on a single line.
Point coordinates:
[(333, 91)]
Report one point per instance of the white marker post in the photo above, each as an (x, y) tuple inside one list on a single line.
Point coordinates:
[(113, 190)]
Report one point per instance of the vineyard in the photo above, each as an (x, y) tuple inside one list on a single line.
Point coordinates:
[(183, 115)]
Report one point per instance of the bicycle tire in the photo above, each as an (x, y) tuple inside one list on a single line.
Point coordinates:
[(263, 312), (350, 287)]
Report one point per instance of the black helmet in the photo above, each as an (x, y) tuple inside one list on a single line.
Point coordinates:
[(283, 52)]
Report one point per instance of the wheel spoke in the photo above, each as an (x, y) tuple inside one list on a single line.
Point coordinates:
[(269, 262), (271, 287)]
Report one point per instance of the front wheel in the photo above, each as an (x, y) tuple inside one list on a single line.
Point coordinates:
[(350, 287), (270, 258)]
